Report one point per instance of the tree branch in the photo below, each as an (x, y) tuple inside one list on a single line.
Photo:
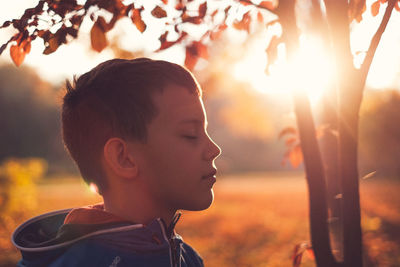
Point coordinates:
[(375, 40)]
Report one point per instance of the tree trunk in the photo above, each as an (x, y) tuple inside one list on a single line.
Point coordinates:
[(312, 158)]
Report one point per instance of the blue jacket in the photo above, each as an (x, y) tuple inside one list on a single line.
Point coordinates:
[(46, 241)]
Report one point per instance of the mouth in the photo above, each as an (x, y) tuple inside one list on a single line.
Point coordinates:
[(211, 174)]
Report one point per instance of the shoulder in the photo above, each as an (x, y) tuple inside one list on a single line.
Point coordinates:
[(191, 256)]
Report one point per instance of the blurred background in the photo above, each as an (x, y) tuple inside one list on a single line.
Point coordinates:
[(260, 211)]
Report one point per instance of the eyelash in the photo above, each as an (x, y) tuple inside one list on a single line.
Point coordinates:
[(190, 137)]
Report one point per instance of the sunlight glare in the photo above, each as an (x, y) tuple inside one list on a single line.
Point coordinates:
[(311, 70), (93, 188)]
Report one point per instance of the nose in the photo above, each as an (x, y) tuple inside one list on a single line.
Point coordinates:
[(213, 150)]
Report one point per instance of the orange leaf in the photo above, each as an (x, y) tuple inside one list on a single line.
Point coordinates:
[(158, 12), (260, 17), (243, 24), (216, 34), (194, 20), (290, 141), (203, 10), (53, 44), (375, 8), (190, 58), (137, 20), (165, 2), (396, 6), (296, 156), (272, 49), (267, 4), (17, 53), (98, 37), (26, 45), (287, 130)]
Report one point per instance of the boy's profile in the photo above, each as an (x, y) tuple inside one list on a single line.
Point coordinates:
[(136, 129)]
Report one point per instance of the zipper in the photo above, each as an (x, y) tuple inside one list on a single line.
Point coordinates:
[(174, 260), (172, 250)]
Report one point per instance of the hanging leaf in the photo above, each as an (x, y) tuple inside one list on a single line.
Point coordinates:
[(217, 34), (287, 130), (397, 6), (165, 2), (267, 4), (17, 53), (260, 17), (244, 23), (98, 37), (26, 45), (299, 249), (193, 52), (137, 20), (167, 44), (158, 12), (272, 50), (52, 45), (296, 156), (203, 10), (355, 9), (290, 141), (190, 58), (375, 8), (189, 19)]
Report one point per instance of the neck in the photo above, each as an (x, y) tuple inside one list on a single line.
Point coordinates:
[(136, 207)]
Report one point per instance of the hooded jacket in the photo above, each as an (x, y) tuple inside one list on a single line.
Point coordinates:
[(90, 236)]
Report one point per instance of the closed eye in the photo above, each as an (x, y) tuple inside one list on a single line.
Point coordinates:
[(190, 137)]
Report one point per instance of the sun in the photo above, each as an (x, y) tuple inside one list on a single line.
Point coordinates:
[(310, 70)]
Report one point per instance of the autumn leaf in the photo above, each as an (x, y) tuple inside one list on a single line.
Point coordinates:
[(98, 37), (217, 34), (355, 9), (267, 4), (193, 52), (17, 53), (272, 49), (158, 12), (26, 45), (194, 20), (203, 10), (375, 8), (296, 156), (165, 2), (190, 59), (244, 23), (287, 130), (298, 253), (260, 17), (137, 20), (52, 45), (396, 6), (290, 141), (167, 44)]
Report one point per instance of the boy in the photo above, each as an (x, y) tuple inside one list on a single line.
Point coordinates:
[(136, 129)]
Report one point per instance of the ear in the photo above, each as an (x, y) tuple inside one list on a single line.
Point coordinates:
[(119, 159)]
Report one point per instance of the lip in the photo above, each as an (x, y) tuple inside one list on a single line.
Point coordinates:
[(210, 175)]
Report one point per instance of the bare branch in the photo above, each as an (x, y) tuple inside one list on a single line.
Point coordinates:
[(375, 41)]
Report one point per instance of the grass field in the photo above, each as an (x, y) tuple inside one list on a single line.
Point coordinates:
[(255, 220)]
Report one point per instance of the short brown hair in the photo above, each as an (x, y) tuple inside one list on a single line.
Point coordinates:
[(114, 99)]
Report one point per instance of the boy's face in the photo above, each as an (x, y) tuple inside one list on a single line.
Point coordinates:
[(177, 161)]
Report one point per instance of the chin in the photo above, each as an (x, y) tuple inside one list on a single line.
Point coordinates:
[(202, 204)]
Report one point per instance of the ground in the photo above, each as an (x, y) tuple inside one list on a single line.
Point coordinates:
[(255, 220)]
